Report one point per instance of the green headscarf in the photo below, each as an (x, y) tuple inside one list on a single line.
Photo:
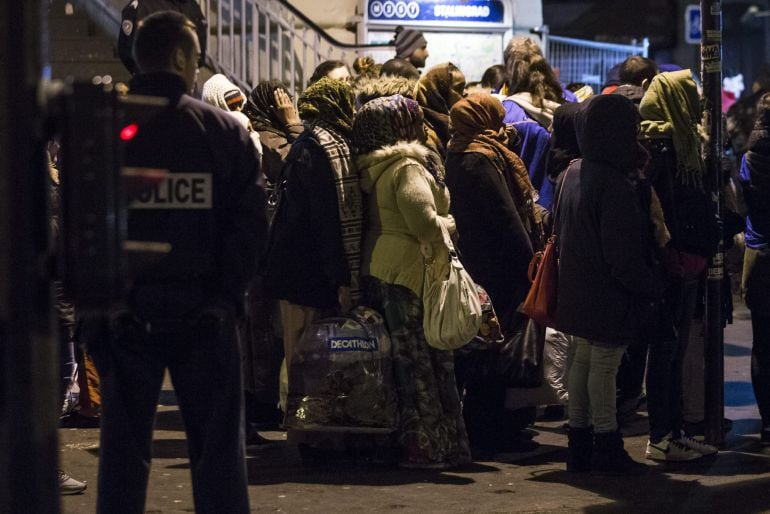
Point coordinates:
[(670, 109), (329, 102)]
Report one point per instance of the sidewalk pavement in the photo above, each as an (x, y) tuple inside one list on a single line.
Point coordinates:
[(736, 481)]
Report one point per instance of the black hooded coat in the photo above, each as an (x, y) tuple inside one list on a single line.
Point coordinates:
[(563, 146), (606, 287)]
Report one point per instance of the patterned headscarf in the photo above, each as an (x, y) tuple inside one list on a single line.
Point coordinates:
[(386, 121), (477, 126), (261, 109), (671, 109), (328, 102), (437, 91)]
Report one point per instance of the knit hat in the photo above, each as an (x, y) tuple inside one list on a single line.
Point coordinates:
[(385, 121), (407, 41), (234, 99), (220, 92)]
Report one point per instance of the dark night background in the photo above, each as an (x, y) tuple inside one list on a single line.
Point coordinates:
[(662, 21)]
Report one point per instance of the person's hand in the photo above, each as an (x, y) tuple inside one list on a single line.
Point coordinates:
[(285, 108), (343, 298)]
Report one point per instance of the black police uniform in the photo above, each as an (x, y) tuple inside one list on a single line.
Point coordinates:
[(180, 312), (137, 10)]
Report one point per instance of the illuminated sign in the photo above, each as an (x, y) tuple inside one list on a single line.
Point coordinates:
[(479, 11)]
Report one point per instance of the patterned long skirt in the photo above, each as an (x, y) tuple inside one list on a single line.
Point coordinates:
[(431, 428)]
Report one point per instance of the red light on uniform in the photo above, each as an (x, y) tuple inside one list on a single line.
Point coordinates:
[(129, 131)]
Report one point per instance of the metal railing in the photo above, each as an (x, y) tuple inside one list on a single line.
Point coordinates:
[(584, 61), (255, 40)]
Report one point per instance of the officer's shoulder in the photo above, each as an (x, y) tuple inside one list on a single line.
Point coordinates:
[(131, 8)]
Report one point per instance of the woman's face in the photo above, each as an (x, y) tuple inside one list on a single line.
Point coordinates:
[(340, 73)]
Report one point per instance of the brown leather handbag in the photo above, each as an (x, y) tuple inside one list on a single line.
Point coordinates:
[(540, 304)]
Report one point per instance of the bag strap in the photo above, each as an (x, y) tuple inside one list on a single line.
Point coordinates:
[(427, 250), (557, 203)]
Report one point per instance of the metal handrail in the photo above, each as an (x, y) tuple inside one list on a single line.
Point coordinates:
[(255, 40), (602, 46), (584, 61)]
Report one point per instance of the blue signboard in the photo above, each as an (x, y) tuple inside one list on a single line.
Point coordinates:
[(692, 24), (478, 11)]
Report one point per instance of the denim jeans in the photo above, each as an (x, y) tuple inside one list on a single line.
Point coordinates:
[(591, 385), (203, 359), (668, 343)]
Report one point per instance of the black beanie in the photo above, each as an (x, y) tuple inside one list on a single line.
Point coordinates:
[(407, 41)]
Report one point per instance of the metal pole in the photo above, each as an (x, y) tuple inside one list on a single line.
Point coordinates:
[(711, 75), (29, 402)]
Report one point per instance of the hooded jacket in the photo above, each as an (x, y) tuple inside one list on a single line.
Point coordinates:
[(605, 284), (405, 206)]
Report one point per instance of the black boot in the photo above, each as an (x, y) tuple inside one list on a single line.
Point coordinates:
[(581, 441), (610, 457)]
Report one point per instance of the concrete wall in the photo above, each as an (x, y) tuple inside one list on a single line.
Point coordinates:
[(527, 14), (79, 48)]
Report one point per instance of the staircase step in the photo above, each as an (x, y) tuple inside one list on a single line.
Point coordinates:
[(71, 27), (91, 49), (87, 70)]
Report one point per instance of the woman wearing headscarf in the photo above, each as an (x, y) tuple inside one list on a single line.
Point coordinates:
[(755, 179), (271, 110), (494, 223), (533, 94), (406, 204), (437, 91), (670, 131), (220, 92), (606, 286), (494, 226), (313, 257), (261, 354)]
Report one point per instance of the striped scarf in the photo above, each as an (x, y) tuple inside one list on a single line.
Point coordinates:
[(349, 200)]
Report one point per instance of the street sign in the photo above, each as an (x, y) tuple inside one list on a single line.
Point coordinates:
[(478, 11), (692, 24)]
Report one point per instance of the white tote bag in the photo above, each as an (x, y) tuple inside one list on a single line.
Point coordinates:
[(452, 308)]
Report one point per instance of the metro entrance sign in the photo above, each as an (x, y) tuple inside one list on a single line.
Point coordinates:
[(399, 11)]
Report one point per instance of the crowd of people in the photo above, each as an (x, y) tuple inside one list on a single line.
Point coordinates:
[(363, 171)]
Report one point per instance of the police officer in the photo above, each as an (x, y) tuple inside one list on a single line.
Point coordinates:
[(137, 10), (179, 313)]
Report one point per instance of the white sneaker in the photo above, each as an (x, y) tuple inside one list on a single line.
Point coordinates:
[(670, 450), (68, 485), (699, 446)]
